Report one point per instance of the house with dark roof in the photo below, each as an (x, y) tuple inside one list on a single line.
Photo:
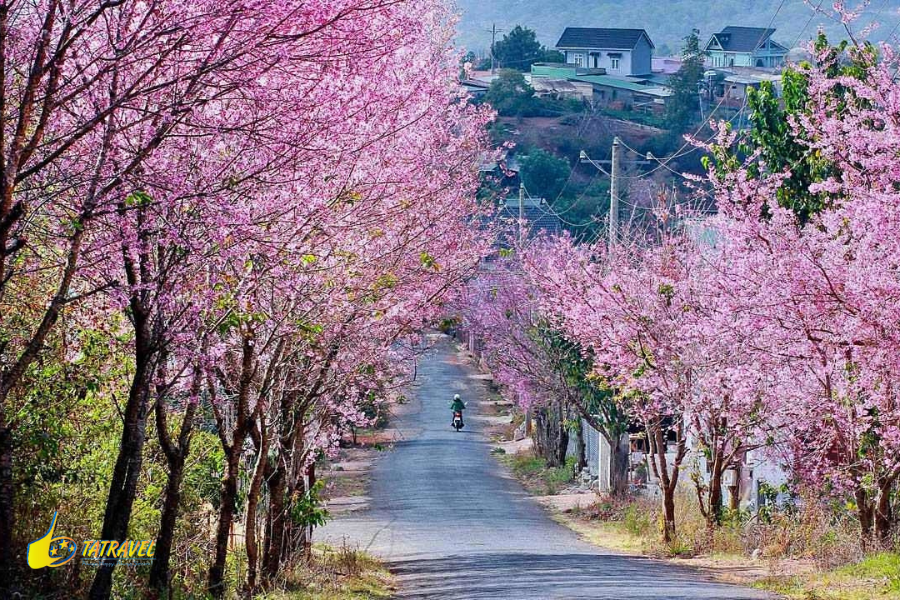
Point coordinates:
[(537, 214), (621, 52), (745, 47)]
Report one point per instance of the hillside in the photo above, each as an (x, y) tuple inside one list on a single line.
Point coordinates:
[(667, 21)]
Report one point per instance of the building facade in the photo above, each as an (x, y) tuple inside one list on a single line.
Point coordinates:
[(745, 47), (622, 52)]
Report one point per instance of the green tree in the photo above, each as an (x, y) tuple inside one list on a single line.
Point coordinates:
[(779, 146), (683, 106), (773, 138), (511, 96), (520, 49), (544, 174), (591, 399)]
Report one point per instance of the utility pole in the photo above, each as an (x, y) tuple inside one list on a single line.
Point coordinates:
[(493, 41), (614, 182), (521, 209), (700, 98), (528, 418), (614, 194)]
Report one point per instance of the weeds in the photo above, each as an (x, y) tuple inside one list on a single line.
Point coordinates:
[(882, 567), (342, 573), (537, 477)]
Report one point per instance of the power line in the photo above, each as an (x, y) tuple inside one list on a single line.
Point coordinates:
[(557, 215), (664, 162), (811, 17)]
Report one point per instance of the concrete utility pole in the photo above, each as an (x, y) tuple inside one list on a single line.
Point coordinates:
[(493, 41), (700, 98), (614, 193), (614, 182), (521, 209), (528, 421)]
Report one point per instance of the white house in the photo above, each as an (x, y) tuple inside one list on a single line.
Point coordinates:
[(622, 52), (745, 47)]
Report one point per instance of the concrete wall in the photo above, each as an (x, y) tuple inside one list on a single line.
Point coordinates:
[(642, 58), (718, 58), (591, 448), (758, 468), (605, 62), (606, 96)]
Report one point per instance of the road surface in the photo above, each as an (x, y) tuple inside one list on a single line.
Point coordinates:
[(450, 525)]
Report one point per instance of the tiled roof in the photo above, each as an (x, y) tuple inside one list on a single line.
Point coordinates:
[(742, 39), (625, 84), (601, 38), (538, 217)]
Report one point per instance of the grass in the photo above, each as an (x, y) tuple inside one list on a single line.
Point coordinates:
[(796, 570), (336, 574), (536, 476), (876, 577), (609, 534)]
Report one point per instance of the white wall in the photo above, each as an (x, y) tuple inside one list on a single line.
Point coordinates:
[(605, 61)]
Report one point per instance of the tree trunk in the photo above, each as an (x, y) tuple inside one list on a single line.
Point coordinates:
[(227, 501), (233, 450), (580, 448), (884, 516), (562, 445), (734, 491), (159, 572), (539, 433), (276, 481), (666, 484), (669, 514), (620, 452), (550, 436), (128, 464), (250, 541), (714, 508), (274, 550), (295, 533), (310, 485), (175, 457), (667, 475), (866, 516)]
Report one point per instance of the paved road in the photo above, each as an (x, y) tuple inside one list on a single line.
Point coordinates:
[(452, 526)]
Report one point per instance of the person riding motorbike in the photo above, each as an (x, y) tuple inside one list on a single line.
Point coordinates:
[(457, 405)]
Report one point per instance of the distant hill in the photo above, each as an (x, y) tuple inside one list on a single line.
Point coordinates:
[(667, 21)]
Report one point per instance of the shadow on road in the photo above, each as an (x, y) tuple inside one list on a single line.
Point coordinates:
[(570, 576)]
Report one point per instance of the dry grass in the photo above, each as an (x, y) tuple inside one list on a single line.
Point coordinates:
[(811, 553), (876, 577), (342, 573)]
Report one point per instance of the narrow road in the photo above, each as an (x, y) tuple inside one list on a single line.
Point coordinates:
[(450, 525)]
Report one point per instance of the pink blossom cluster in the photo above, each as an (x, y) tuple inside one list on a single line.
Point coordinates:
[(750, 327), (262, 202)]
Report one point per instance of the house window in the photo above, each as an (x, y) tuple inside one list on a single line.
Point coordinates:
[(614, 64), (579, 60)]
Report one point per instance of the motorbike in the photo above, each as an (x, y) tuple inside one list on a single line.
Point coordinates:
[(458, 420)]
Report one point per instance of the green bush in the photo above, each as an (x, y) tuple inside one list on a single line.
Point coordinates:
[(637, 521)]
